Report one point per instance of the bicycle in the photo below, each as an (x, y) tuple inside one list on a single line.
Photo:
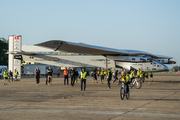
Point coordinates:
[(123, 92), (135, 83)]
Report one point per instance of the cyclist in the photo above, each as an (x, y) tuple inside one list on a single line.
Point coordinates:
[(125, 78), (131, 76), (138, 74)]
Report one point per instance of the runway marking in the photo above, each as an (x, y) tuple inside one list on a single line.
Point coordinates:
[(91, 112)]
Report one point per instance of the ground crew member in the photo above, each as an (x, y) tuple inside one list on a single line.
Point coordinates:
[(65, 75), (94, 76), (138, 73), (83, 79), (131, 76), (146, 75), (102, 76), (72, 73), (50, 75), (37, 75), (141, 75), (16, 74), (151, 76), (109, 77), (5, 76), (76, 75), (46, 77), (10, 75), (58, 72), (98, 72), (105, 72), (125, 79), (115, 75)]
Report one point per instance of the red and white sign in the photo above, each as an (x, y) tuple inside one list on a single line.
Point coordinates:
[(16, 37)]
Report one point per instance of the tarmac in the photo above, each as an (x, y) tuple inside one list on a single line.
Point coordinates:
[(23, 100)]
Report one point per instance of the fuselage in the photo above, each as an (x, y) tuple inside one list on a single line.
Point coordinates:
[(145, 63)]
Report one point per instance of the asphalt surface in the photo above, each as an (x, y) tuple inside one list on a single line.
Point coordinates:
[(23, 100)]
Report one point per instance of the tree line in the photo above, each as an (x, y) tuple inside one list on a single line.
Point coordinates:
[(176, 68), (3, 50)]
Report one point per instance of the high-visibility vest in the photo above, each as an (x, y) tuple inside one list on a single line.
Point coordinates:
[(141, 74), (131, 75), (150, 73), (146, 74), (138, 72), (5, 74), (83, 75), (125, 78), (108, 74), (102, 73), (16, 73)]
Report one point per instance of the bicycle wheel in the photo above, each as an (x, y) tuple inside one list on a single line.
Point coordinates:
[(131, 85), (122, 93), (127, 95), (138, 85)]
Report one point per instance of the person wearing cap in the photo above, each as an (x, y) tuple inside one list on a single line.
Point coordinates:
[(5, 76), (109, 77), (83, 76)]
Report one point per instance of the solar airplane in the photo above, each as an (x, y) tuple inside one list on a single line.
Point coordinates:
[(96, 56)]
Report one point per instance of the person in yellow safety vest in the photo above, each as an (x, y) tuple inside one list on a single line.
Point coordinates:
[(5, 76), (109, 77), (105, 72), (146, 75), (132, 74), (138, 73), (141, 75), (83, 79), (125, 79), (16, 74), (102, 76)]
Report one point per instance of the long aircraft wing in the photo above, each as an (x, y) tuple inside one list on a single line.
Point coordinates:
[(93, 50)]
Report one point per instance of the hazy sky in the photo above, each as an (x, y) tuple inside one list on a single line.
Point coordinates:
[(148, 25)]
